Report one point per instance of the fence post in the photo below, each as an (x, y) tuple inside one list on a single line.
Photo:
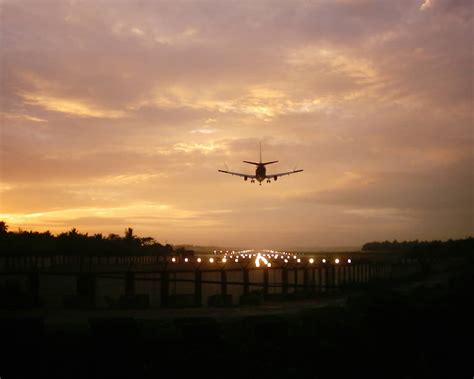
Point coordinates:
[(130, 283), (165, 286), (198, 288), (305, 279), (246, 281), (284, 280), (223, 282), (265, 281), (33, 286), (320, 279), (330, 277), (295, 275)]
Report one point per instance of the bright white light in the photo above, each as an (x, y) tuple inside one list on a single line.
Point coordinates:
[(337, 260), (236, 260), (349, 261), (294, 256), (311, 260), (173, 259), (324, 260), (298, 260), (211, 260), (269, 264), (186, 259), (286, 260), (224, 260), (260, 258), (199, 260)]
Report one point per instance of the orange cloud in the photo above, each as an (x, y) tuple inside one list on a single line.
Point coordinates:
[(71, 107)]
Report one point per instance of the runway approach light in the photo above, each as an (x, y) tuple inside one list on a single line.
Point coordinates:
[(337, 260), (260, 258)]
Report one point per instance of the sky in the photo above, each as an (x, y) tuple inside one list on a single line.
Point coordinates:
[(118, 114)]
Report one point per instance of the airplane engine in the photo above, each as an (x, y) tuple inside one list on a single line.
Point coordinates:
[(275, 177), (245, 178)]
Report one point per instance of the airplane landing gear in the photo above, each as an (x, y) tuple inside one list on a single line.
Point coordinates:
[(268, 181), (252, 181)]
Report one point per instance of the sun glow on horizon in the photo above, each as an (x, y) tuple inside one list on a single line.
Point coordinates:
[(128, 127)]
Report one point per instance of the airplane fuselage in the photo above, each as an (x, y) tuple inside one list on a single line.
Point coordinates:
[(260, 173)]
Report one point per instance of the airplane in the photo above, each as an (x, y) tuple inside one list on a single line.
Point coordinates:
[(260, 172)]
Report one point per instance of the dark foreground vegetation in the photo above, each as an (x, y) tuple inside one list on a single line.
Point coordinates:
[(75, 243), (437, 248)]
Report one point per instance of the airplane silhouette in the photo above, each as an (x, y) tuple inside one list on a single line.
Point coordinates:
[(260, 172)]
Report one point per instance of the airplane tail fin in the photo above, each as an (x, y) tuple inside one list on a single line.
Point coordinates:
[(260, 162)]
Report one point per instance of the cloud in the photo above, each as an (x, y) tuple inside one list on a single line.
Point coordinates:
[(70, 106), (449, 189), (426, 5), (109, 107), (23, 117)]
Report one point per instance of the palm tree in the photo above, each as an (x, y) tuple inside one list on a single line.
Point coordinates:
[(129, 234), (3, 227)]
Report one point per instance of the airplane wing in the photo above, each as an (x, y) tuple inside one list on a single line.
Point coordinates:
[(251, 176), (283, 174)]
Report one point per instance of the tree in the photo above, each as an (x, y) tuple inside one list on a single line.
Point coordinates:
[(129, 234), (3, 227)]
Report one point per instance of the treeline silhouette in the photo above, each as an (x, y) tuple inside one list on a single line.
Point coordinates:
[(75, 243), (458, 247)]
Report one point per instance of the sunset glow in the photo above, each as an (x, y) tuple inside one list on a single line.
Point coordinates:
[(120, 116)]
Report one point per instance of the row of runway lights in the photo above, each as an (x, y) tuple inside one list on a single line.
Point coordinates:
[(260, 259)]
